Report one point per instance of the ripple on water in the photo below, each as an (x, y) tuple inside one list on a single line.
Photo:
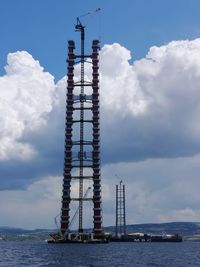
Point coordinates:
[(38, 254)]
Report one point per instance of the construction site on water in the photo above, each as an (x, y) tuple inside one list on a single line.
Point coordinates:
[(82, 156)]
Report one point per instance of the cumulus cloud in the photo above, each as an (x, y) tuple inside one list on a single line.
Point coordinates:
[(26, 96), (152, 106), (149, 108), (120, 88)]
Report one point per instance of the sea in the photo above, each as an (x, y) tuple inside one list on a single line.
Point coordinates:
[(26, 253)]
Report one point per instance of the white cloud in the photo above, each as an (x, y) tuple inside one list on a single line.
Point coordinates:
[(165, 81), (120, 88), (26, 97)]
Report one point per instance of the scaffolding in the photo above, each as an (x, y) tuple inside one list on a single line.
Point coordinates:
[(120, 229)]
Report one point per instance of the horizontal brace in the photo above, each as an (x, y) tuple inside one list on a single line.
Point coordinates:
[(82, 101), (77, 143), (83, 199), (84, 81), (83, 166), (83, 84), (83, 108), (84, 177), (75, 121), (82, 56), (84, 160)]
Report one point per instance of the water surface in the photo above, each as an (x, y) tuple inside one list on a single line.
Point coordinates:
[(113, 254)]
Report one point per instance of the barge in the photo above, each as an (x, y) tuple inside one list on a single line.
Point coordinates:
[(140, 237), (166, 238)]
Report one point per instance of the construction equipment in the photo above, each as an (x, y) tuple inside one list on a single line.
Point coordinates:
[(75, 214), (77, 211)]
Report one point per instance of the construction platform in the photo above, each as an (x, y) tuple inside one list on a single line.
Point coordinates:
[(78, 238)]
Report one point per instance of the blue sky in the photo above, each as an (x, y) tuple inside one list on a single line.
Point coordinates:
[(150, 106), (43, 27)]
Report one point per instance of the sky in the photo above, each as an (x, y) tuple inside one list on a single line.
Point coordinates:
[(150, 107)]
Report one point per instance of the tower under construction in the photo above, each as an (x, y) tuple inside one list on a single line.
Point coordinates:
[(120, 229), (82, 137)]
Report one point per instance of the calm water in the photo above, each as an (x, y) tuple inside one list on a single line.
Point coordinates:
[(112, 254)]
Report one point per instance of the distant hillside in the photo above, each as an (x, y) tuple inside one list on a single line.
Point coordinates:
[(12, 230), (183, 228), (189, 230)]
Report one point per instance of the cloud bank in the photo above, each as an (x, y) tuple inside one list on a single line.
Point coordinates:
[(157, 190), (149, 130), (151, 106)]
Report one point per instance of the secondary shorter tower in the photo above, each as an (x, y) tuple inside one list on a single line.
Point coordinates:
[(120, 228)]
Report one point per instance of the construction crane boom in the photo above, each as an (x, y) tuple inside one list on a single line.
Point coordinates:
[(77, 211)]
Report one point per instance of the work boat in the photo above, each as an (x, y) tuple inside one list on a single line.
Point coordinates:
[(166, 238)]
